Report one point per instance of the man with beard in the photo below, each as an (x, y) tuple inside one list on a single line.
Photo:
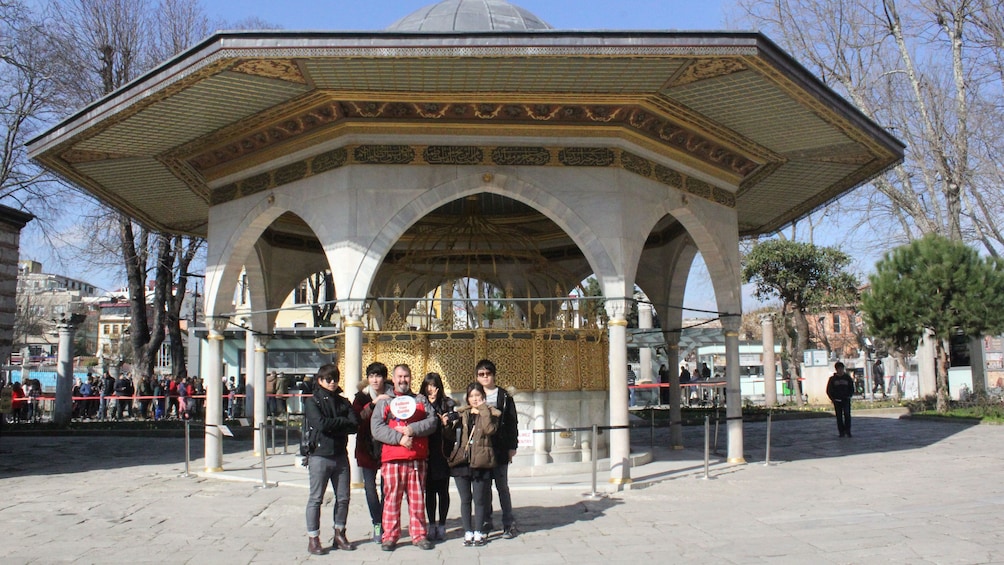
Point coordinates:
[(402, 424)]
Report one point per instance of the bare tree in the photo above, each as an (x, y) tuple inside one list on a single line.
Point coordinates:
[(928, 70), (322, 292), (26, 92), (100, 46)]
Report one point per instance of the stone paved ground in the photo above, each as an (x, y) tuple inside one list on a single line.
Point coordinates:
[(900, 491)]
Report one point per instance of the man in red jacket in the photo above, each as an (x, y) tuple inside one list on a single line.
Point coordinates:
[(402, 424)]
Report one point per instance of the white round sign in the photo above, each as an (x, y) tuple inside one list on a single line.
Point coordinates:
[(403, 407)]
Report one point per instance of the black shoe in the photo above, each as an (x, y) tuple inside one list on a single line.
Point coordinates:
[(314, 546), (341, 542), (487, 527), (388, 545), (510, 532), (849, 434), (842, 434), (425, 544)]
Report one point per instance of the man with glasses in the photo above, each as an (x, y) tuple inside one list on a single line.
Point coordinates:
[(330, 419), (504, 441)]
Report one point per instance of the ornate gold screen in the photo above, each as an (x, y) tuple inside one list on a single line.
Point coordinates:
[(527, 360)]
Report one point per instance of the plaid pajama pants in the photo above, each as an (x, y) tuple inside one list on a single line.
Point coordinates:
[(400, 477)]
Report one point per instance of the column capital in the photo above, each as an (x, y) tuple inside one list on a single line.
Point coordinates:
[(261, 342), (220, 323), (731, 324), (616, 309), (352, 309)]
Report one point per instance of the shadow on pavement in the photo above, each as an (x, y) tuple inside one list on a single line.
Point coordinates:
[(52, 454), (813, 438)]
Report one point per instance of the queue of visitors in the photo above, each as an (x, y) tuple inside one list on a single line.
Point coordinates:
[(413, 442), (103, 397)]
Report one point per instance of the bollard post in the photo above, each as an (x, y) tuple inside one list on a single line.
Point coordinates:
[(767, 458), (718, 420), (188, 452), (651, 433), (271, 428), (264, 470), (595, 455), (285, 427), (707, 445)]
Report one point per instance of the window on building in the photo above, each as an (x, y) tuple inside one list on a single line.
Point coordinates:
[(329, 287), (836, 323), (300, 295), (299, 324)]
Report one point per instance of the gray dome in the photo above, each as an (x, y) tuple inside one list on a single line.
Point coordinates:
[(468, 16)]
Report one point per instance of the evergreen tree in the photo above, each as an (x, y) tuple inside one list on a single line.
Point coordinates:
[(938, 285), (803, 276)]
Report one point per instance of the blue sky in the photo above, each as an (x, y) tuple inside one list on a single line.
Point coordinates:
[(339, 15)]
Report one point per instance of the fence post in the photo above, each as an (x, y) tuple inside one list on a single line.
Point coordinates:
[(188, 451), (595, 451), (767, 458), (707, 446), (264, 470), (651, 432)]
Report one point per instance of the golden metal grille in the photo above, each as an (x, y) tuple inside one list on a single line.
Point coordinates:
[(527, 360)]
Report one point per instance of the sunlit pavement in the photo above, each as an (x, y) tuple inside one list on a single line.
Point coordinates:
[(899, 491)]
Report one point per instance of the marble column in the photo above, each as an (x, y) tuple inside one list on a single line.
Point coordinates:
[(352, 312), (769, 362), (214, 396), (675, 392), (620, 439), (540, 456), (256, 385), (645, 353), (63, 410), (733, 395), (249, 364)]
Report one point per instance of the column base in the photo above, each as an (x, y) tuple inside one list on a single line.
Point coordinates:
[(677, 447), (737, 460), (357, 485), (214, 469), (622, 481)]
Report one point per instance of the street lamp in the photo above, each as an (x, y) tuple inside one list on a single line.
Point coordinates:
[(195, 296)]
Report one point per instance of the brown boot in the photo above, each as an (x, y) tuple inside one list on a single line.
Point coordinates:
[(314, 546), (342, 542)]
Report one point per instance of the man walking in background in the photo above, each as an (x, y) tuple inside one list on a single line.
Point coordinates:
[(840, 389)]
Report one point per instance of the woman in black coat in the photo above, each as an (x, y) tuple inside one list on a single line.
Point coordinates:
[(437, 479)]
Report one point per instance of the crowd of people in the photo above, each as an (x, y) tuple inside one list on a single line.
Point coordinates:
[(410, 444), (103, 397)]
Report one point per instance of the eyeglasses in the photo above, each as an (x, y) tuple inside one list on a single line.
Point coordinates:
[(485, 374)]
